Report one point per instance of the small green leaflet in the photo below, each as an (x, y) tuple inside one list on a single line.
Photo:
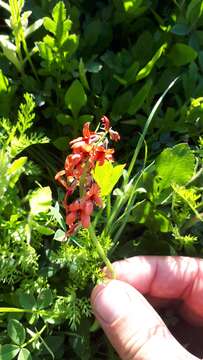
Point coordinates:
[(107, 176), (40, 200)]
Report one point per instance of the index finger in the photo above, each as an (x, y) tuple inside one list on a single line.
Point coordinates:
[(167, 277)]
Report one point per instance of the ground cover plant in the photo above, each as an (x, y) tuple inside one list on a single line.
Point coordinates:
[(101, 147)]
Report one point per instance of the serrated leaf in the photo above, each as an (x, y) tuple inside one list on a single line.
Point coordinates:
[(148, 68), (107, 176), (182, 54), (175, 165), (40, 200), (8, 351), (16, 331), (75, 97), (24, 354)]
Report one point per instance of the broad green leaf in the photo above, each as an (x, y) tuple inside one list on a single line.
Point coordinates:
[(45, 51), (182, 54), (107, 176), (138, 100), (50, 25), (180, 29), (8, 351), (75, 97), (65, 119), (148, 68), (27, 301), (70, 45), (44, 299), (60, 235), (175, 165), (40, 200), (61, 142), (16, 169), (41, 229), (85, 118), (24, 354), (16, 331), (194, 11), (59, 12)]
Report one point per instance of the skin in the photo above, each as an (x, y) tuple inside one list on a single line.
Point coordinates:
[(130, 322)]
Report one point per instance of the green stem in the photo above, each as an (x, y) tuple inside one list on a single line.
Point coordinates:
[(29, 59), (101, 252), (38, 333)]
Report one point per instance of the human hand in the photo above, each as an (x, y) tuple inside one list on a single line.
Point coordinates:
[(132, 325)]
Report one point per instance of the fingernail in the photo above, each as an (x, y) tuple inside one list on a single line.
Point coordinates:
[(111, 303)]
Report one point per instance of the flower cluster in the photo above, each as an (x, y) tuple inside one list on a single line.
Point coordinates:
[(87, 151)]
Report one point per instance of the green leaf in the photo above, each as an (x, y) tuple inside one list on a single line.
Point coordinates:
[(194, 11), (16, 331), (40, 200), (8, 351), (60, 235), (85, 118), (24, 354), (50, 25), (27, 301), (139, 99), (175, 165), (182, 54), (148, 68), (180, 29), (45, 51), (107, 176), (9, 51), (61, 142), (32, 28), (65, 119), (44, 299), (59, 12), (75, 97), (55, 212), (16, 169)]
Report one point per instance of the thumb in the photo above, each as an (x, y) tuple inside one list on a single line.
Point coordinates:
[(133, 327)]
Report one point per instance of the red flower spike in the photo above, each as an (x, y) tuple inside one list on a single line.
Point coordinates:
[(87, 151)]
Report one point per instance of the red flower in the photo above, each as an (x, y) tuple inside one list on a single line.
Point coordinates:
[(87, 150)]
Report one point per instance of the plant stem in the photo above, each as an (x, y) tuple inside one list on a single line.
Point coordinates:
[(101, 252)]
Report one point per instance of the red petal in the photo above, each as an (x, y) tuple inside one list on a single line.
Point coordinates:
[(85, 220)]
